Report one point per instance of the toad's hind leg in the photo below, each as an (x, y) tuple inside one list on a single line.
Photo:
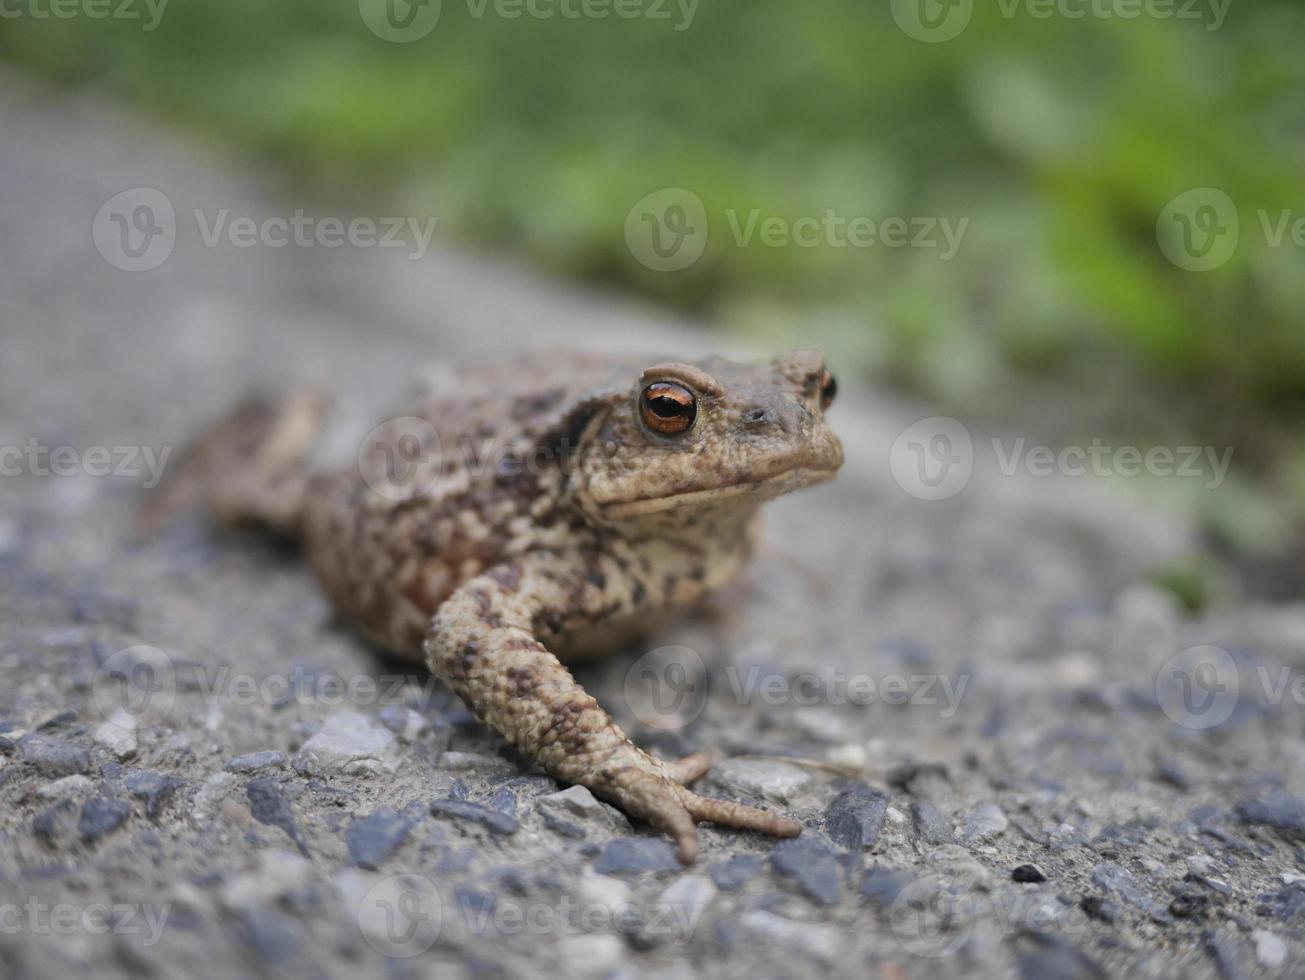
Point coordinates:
[(249, 468), (482, 644)]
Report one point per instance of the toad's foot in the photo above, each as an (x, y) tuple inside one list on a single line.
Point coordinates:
[(482, 644), (649, 792)]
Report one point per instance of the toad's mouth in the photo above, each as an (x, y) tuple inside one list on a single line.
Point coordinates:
[(764, 488)]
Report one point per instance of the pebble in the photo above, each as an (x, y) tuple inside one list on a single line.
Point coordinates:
[(373, 838), (404, 722), (349, 744), (881, 886), (278, 873), (273, 935), (483, 764), (812, 865), (688, 896), (930, 823), (1111, 876), (101, 816), (985, 821), (733, 874), (154, 788), (53, 756), (1270, 951), (1278, 809), (118, 734), (1027, 874), (493, 820), (596, 956), (268, 805), (254, 761), (821, 942), (577, 801), (211, 792), (855, 818), (631, 855), (54, 822), (70, 787), (761, 779)]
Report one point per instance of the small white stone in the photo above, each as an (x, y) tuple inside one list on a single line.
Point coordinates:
[(1201, 864), (577, 801), (351, 744), (70, 787), (895, 815), (850, 755), (591, 956), (118, 734), (686, 899), (770, 780), (209, 795), (459, 761), (278, 872), (819, 941), (1269, 949)]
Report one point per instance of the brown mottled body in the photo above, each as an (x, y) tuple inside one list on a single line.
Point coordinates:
[(494, 526)]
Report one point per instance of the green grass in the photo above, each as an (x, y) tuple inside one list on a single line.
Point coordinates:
[(1059, 140)]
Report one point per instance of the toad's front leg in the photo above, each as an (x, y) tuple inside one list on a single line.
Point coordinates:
[(482, 644)]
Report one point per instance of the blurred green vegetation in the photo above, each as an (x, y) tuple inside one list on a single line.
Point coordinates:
[(1060, 140)]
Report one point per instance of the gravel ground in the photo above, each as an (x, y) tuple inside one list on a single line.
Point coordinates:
[(976, 706)]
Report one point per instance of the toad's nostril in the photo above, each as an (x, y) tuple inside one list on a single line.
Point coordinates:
[(756, 417)]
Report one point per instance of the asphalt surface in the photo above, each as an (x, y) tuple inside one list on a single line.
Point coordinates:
[(1013, 754)]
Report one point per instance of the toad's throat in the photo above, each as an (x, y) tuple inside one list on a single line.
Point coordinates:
[(763, 488)]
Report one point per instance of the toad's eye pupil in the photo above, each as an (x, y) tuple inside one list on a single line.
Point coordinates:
[(668, 408), (828, 390)]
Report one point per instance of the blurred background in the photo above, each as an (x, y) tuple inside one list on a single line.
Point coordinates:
[(1053, 143)]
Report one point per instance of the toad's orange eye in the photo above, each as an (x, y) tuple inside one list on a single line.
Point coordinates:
[(668, 408), (828, 389)]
